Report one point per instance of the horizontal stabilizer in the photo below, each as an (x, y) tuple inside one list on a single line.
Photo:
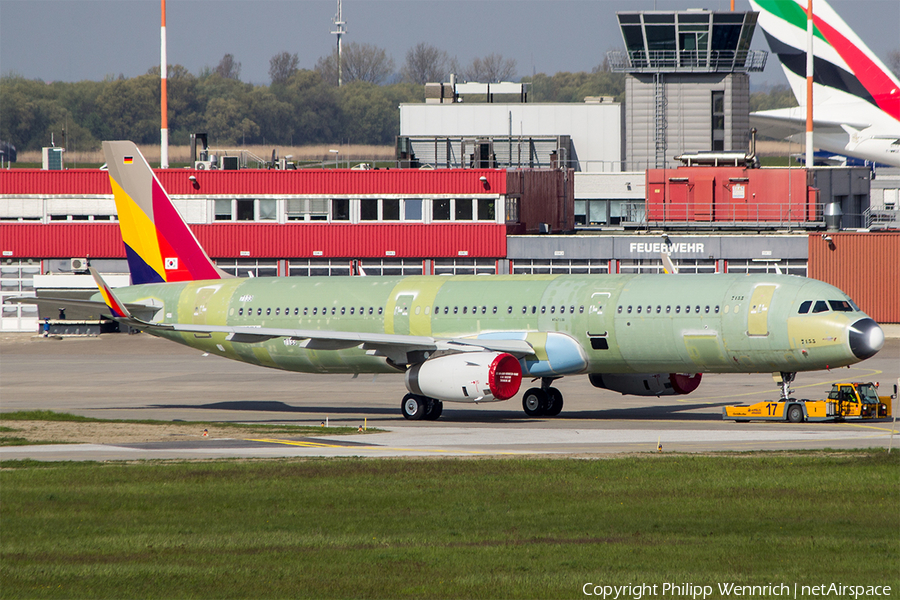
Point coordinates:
[(140, 311)]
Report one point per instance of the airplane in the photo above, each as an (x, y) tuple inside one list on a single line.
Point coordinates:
[(472, 338), (856, 99)]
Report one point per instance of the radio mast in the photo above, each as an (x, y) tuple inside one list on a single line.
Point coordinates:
[(339, 32)]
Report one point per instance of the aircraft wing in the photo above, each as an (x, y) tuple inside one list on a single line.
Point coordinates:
[(141, 311)]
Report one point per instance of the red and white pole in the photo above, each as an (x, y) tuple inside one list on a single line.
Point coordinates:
[(809, 84), (164, 123)]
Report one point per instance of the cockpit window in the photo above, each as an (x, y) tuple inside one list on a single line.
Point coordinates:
[(821, 306), (840, 306), (804, 307)]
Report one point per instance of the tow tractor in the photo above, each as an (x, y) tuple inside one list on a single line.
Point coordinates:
[(846, 401)]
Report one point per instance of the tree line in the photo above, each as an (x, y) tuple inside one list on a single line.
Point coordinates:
[(298, 107)]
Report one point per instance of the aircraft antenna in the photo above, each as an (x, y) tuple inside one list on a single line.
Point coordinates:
[(339, 31)]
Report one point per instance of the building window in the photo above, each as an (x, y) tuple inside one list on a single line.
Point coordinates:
[(512, 210), (302, 209), (390, 209), (340, 209), (465, 266), (249, 267), (245, 210), (718, 121), (412, 209), (559, 266), (321, 267), (463, 210), (368, 210), (486, 209), (392, 266), (268, 210), (223, 210), (440, 210)]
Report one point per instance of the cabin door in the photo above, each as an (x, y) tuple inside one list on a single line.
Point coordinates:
[(758, 315), (401, 313)]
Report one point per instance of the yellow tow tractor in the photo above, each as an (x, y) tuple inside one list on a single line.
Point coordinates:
[(846, 401)]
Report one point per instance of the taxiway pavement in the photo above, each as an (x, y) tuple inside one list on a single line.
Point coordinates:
[(141, 377)]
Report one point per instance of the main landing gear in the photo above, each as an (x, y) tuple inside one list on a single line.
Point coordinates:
[(544, 401), (416, 408)]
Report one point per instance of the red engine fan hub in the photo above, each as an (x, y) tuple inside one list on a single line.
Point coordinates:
[(505, 376)]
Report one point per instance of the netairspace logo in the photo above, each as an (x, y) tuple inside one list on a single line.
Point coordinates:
[(726, 590)]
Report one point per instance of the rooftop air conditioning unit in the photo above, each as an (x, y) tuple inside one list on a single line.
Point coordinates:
[(204, 165), (79, 264)]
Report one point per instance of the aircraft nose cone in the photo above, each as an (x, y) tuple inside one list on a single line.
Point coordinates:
[(866, 338)]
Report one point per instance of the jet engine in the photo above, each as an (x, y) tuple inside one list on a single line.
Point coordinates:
[(466, 377), (647, 384)]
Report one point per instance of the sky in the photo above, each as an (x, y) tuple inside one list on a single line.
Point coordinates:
[(74, 40)]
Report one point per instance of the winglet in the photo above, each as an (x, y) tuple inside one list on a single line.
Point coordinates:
[(117, 307), (668, 266)]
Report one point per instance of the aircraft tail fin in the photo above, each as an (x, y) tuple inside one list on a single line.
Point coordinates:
[(158, 243), (846, 72)]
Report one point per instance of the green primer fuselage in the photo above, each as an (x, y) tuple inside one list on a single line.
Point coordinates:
[(622, 323)]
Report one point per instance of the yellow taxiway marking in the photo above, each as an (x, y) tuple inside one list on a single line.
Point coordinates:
[(307, 444), (367, 447)]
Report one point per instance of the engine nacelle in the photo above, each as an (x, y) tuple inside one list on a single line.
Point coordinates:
[(467, 377), (647, 384)]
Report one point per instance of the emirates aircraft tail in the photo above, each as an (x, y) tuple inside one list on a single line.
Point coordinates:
[(856, 98)]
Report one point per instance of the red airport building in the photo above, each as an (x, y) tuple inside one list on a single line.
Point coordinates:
[(443, 221)]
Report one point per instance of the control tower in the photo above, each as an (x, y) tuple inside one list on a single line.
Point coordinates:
[(687, 88)]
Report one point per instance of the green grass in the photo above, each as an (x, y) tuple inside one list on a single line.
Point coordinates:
[(49, 415), (452, 528)]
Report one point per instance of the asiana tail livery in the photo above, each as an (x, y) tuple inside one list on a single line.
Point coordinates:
[(474, 338), (856, 98)]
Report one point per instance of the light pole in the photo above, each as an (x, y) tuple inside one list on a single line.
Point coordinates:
[(336, 153)]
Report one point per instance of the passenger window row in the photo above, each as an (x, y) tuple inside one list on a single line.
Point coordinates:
[(649, 309), (334, 311), (509, 310), (819, 306), (314, 311)]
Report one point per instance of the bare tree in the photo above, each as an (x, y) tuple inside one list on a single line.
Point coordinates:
[(361, 62), (282, 66), (490, 69), (424, 64), (229, 68)]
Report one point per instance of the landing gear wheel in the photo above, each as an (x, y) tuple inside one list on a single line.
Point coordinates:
[(795, 413), (534, 402), (414, 407), (435, 408), (554, 402)]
